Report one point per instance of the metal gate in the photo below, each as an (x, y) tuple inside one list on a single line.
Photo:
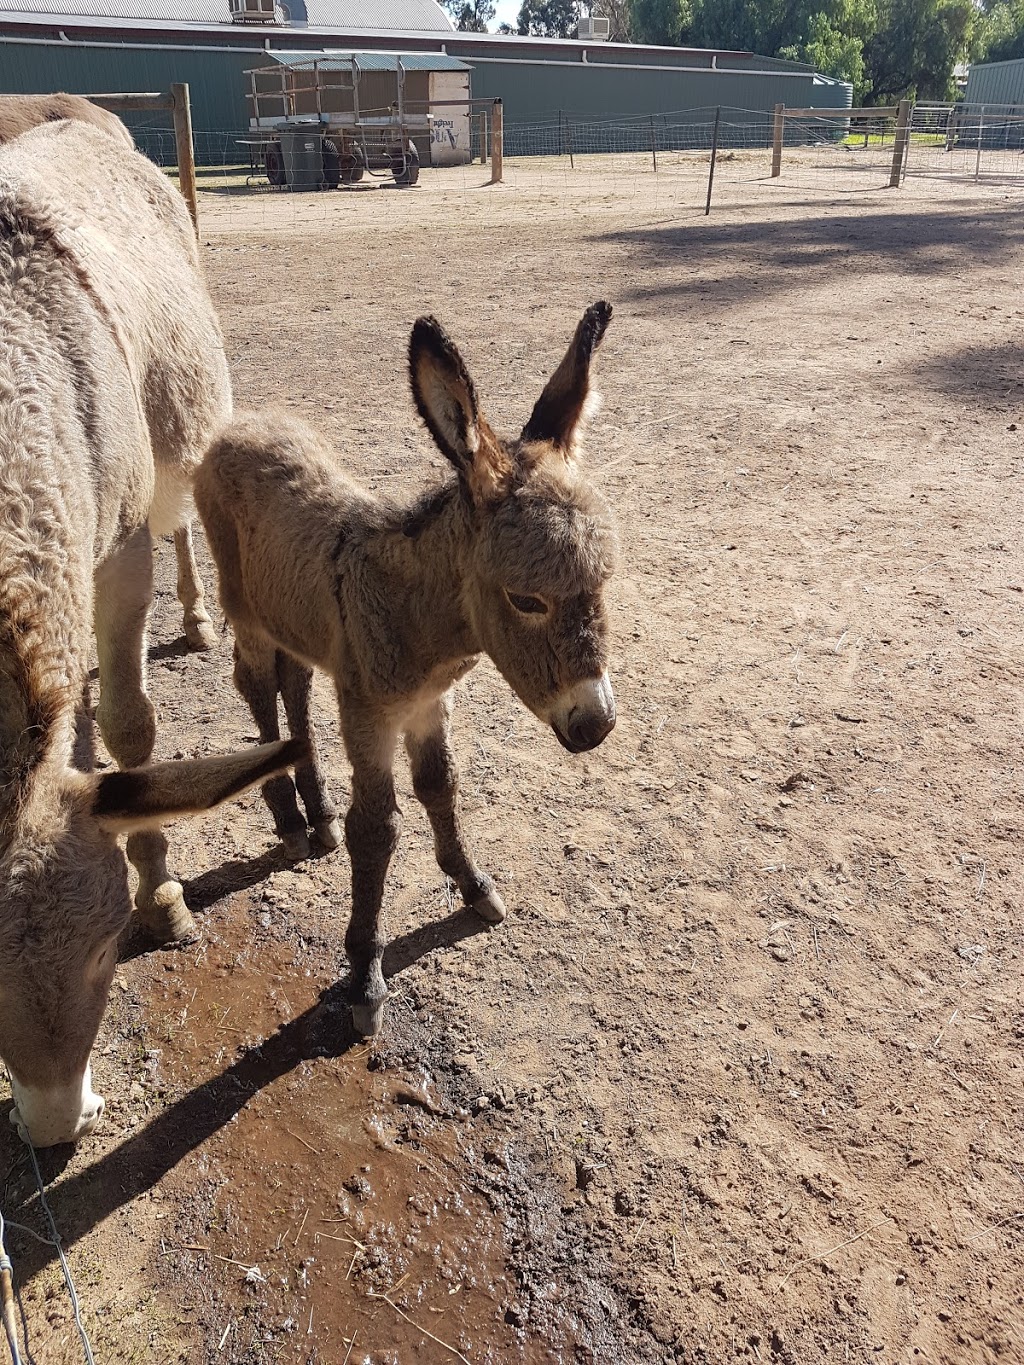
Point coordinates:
[(980, 142)]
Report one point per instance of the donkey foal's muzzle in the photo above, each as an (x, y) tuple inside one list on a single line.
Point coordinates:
[(585, 715)]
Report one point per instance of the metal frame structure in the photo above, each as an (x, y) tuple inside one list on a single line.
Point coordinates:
[(351, 142)]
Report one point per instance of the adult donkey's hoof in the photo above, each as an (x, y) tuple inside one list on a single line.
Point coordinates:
[(165, 916), (200, 636), (296, 845), (329, 834), (490, 906), (368, 1019)]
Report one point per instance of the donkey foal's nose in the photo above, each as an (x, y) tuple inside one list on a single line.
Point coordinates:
[(590, 717)]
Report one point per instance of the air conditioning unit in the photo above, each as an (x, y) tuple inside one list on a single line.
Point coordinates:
[(254, 12), (595, 29)]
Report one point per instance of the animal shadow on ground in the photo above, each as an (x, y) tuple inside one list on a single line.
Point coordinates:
[(789, 253), (324, 1030)]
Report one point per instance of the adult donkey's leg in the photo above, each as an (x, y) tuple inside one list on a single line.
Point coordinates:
[(127, 721), (435, 781), (296, 683), (372, 827), (199, 632), (256, 680)]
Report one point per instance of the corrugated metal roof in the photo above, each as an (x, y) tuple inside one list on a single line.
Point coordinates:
[(333, 60), (389, 15)]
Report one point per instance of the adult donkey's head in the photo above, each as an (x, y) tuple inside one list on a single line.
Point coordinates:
[(64, 901), (542, 544)]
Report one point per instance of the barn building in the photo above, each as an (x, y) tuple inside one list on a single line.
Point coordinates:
[(97, 46)]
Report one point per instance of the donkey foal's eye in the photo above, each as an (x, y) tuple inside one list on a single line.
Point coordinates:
[(529, 606)]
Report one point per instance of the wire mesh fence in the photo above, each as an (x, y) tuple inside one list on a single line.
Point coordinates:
[(670, 154)]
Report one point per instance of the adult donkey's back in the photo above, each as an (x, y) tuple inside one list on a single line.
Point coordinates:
[(112, 377)]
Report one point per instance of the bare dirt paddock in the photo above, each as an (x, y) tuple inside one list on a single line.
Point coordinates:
[(741, 1075)]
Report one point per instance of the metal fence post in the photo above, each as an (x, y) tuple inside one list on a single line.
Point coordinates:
[(899, 150), (714, 158), (186, 154), (777, 134), (977, 160)]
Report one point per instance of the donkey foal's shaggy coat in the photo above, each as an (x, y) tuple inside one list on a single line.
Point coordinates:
[(395, 604)]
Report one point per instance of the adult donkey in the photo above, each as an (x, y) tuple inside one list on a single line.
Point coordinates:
[(510, 557), (112, 376)]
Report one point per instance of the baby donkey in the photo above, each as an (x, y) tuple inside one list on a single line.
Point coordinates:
[(395, 603)]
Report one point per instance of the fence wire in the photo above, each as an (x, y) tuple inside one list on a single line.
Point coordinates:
[(669, 154)]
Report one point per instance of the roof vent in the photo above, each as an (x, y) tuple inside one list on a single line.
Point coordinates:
[(595, 29), (255, 12)]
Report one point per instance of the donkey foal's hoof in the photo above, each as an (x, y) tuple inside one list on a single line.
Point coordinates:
[(200, 636), (368, 1019), (296, 845), (329, 834), (166, 917), (490, 907)]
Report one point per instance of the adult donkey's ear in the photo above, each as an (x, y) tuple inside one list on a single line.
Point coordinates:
[(446, 400), (146, 798), (563, 406)]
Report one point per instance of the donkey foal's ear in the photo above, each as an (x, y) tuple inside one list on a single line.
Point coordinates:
[(562, 406), (446, 400), (145, 798)]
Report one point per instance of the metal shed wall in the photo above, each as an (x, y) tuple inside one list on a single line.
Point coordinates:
[(216, 80), (536, 91), (533, 91), (996, 83)]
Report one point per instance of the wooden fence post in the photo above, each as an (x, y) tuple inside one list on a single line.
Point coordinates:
[(497, 142), (899, 150), (777, 131), (186, 154)]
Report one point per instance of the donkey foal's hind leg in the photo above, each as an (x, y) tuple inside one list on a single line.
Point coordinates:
[(435, 780), (126, 720), (296, 683), (199, 632), (256, 680)]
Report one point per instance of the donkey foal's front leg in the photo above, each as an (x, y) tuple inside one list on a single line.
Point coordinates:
[(435, 779), (372, 827)]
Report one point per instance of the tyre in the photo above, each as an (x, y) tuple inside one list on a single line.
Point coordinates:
[(332, 164), (353, 164), (274, 163), (405, 166)]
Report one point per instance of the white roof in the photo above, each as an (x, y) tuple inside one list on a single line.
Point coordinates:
[(339, 15)]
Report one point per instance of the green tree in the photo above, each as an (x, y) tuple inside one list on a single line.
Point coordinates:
[(1001, 36), (472, 16), (548, 18), (832, 52), (917, 45), (665, 22)]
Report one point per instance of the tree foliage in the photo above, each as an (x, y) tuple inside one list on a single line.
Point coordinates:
[(1002, 31), (548, 18), (472, 16), (886, 49), (665, 22)]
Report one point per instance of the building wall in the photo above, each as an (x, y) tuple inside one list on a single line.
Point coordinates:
[(449, 133), (996, 83), (533, 91), (537, 91)]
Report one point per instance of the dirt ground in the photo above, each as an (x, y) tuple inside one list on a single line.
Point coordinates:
[(740, 1077)]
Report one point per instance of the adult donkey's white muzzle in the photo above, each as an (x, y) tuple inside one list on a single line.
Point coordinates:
[(64, 1113), (584, 715)]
